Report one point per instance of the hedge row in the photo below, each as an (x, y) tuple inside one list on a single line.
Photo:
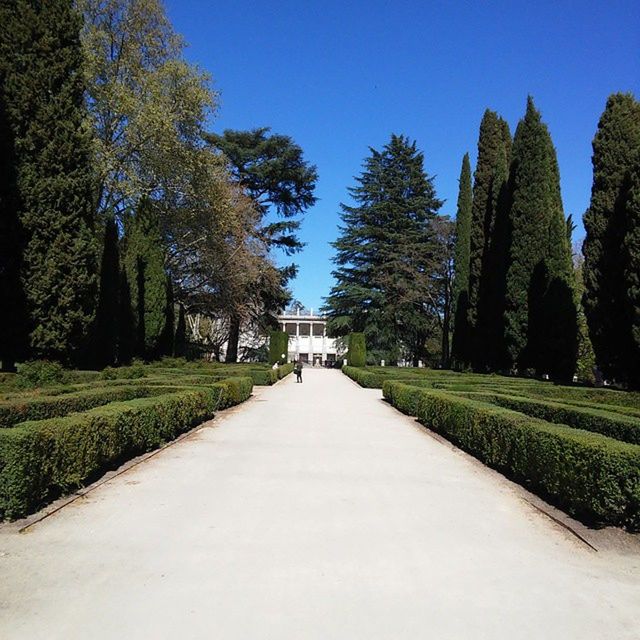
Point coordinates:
[(42, 407), (42, 460), (589, 475), (363, 377), (597, 420)]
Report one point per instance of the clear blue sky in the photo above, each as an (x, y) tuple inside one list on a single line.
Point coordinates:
[(341, 76)]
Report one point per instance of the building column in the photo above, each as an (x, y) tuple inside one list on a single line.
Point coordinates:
[(297, 340), (311, 349), (324, 343)]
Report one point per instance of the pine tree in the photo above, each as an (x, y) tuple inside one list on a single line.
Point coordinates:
[(106, 324), (540, 315), (631, 261), (615, 150), (44, 96), (180, 341), (385, 254), (493, 142), (144, 265), (461, 339)]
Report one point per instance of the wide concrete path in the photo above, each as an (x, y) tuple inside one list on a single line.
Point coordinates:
[(314, 511)]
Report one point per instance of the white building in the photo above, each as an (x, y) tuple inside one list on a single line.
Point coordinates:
[(308, 339)]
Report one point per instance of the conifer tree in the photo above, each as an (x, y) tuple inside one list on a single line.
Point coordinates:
[(180, 342), (13, 320), (540, 315), (385, 255), (615, 150), (166, 346), (144, 265), (461, 339), (106, 324), (493, 142), (631, 258), (126, 322), (44, 97)]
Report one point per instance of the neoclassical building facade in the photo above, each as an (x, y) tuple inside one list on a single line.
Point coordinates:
[(308, 340)]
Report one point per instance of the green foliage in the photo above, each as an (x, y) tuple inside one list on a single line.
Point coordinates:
[(364, 378), (13, 319), (42, 407), (616, 146), (461, 338), (540, 316), (106, 330), (357, 350), (180, 340), (285, 369), (278, 346), (235, 391), (43, 92), (41, 460), (385, 254), (494, 142), (132, 372), (631, 273), (41, 373), (144, 265), (591, 476)]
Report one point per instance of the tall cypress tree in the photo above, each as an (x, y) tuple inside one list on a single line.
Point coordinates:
[(385, 255), (615, 150), (461, 339), (126, 322), (144, 265), (180, 341), (106, 325), (166, 346), (44, 97), (631, 260), (540, 315), (493, 142), (13, 319)]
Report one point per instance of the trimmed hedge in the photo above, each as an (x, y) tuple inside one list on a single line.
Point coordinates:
[(278, 345), (589, 475), (357, 350), (364, 378), (285, 369), (42, 460), (234, 391), (42, 407)]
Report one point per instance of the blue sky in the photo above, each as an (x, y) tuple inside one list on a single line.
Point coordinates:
[(341, 76)]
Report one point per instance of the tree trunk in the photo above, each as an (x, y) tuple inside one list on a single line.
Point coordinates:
[(234, 338)]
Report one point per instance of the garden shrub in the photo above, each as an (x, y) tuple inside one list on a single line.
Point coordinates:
[(278, 345), (285, 369), (357, 350), (234, 391), (41, 460), (40, 373), (364, 378), (589, 475)]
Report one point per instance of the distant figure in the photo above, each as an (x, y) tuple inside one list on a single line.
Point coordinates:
[(299, 371), (275, 365)]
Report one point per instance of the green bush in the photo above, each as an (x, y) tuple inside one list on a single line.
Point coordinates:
[(591, 476), (132, 372), (44, 459), (357, 350), (285, 369), (41, 373), (278, 345), (234, 391), (363, 377), (42, 407)]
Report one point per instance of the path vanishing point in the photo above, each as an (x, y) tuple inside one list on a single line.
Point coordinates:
[(311, 512)]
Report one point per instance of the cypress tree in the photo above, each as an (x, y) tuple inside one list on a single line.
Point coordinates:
[(167, 338), (631, 258), (461, 339), (144, 265), (106, 325), (44, 96), (540, 315), (13, 319), (180, 342), (494, 141), (126, 322), (615, 150)]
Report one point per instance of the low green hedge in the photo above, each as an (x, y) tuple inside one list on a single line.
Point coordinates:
[(42, 460), (363, 377), (42, 407), (597, 420), (234, 390), (285, 369), (589, 475)]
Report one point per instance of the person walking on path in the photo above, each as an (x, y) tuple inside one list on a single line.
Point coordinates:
[(298, 371)]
